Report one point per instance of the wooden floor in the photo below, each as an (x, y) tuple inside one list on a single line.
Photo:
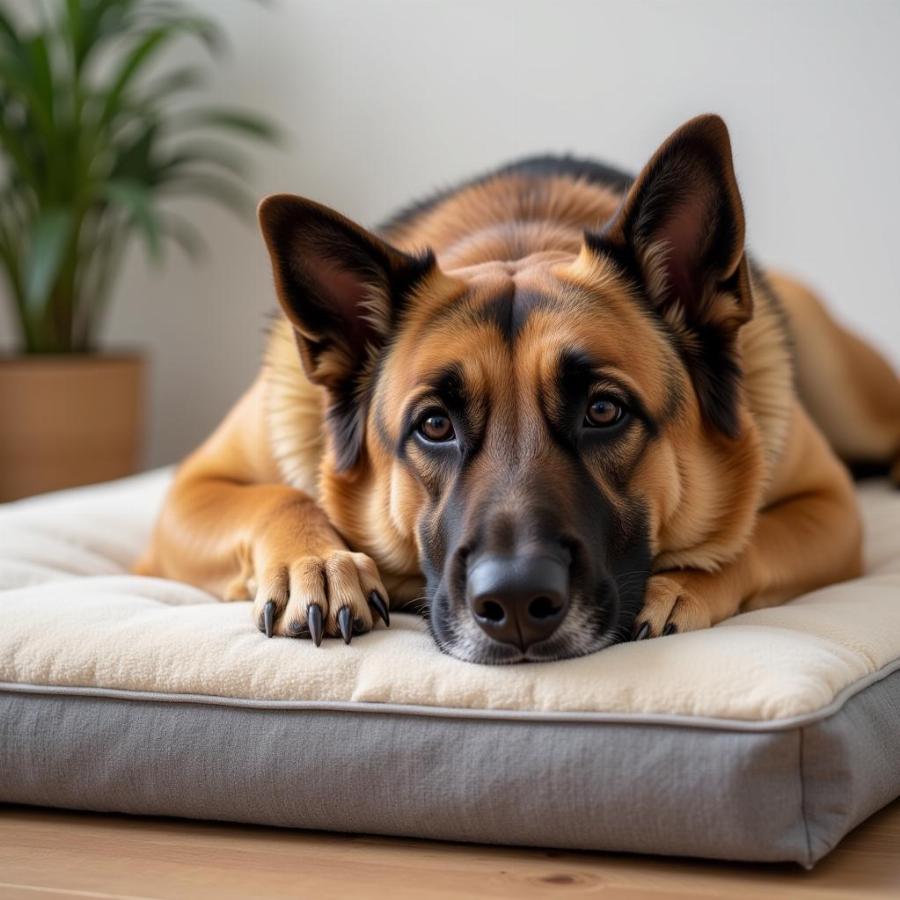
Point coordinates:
[(45, 853)]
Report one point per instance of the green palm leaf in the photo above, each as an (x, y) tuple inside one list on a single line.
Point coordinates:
[(131, 66), (189, 155), (136, 200), (188, 237), (163, 88), (209, 186), (50, 234), (9, 36), (234, 120), (41, 77)]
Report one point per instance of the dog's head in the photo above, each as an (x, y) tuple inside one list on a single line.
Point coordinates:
[(539, 432)]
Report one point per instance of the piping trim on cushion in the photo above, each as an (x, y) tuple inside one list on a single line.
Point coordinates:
[(445, 712)]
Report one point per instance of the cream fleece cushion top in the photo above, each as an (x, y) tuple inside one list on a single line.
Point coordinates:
[(72, 616)]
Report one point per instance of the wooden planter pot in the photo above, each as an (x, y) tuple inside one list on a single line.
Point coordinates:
[(68, 420)]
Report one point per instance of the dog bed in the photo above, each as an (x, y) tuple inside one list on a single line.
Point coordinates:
[(765, 738)]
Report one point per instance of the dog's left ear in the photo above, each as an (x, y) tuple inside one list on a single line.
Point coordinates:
[(681, 231), (343, 289)]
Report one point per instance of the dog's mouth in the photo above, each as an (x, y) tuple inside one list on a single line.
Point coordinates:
[(590, 625)]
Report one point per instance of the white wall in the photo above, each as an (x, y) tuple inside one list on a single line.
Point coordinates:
[(390, 98)]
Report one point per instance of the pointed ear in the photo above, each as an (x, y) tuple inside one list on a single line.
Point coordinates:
[(681, 231), (343, 289)]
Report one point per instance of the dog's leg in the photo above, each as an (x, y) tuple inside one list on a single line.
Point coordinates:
[(808, 535), (847, 387), (228, 527)]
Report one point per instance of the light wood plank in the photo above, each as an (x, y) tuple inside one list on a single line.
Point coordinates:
[(50, 853)]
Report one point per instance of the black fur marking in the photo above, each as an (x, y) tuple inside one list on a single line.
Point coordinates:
[(446, 385), (590, 170), (621, 255), (543, 166), (499, 311), (346, 417), (765, 295), (381, 428), (510, 311), (405, 280), (579, 371), (717, 377)]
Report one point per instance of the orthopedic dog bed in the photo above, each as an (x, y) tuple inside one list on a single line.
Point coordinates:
[(765, 738)]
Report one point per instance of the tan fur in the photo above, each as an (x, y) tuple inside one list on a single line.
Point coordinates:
[(862, 419), (261, 509)]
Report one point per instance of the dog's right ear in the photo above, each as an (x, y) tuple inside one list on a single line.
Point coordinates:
[(342, 288), (680, 229)]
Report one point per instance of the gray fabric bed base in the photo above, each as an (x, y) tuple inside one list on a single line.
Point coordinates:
[(787, 794)]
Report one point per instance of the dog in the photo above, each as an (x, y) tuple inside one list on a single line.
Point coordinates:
[(557, 406)]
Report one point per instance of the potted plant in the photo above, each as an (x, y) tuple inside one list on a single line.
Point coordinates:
[(95, 138)]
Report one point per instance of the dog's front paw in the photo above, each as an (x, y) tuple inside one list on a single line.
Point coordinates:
[(337, 593), (675, 601)]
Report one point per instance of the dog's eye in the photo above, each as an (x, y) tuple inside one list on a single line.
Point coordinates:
[(436, 427), (603, 412)]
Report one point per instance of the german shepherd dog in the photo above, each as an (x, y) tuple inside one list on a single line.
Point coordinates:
[(558, 406)]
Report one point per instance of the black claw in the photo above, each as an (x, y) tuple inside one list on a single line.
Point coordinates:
[(376, 600), (643, 632), (359, 626), (344, 623), (671, 628), (269, 617), (316, 622)]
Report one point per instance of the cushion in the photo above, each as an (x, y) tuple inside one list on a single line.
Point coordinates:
[(767, 737)]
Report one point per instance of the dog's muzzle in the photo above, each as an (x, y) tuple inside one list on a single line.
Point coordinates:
[(518, 600)]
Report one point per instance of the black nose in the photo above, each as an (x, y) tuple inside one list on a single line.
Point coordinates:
[(518, 599)]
